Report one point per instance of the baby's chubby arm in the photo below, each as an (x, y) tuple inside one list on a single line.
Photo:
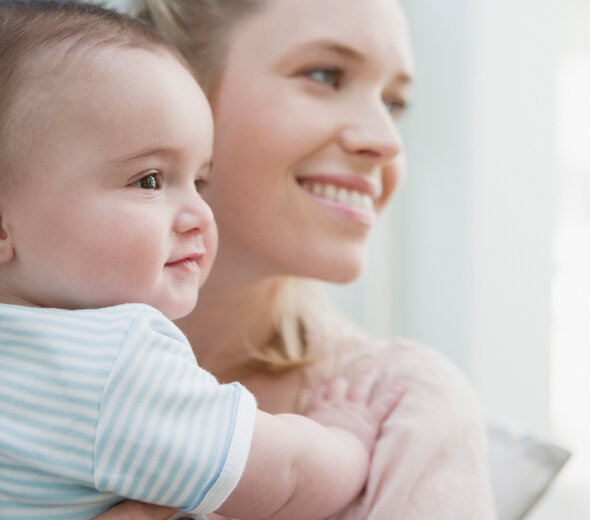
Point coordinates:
[(311, 467), (303, 467)]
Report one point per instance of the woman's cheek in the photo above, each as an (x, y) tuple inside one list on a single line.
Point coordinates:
[(392, 176)]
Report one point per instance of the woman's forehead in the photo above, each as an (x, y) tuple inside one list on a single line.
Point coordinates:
[(310, 17), (371, 29)]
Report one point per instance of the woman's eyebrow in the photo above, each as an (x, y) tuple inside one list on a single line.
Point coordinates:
[(347, 52), (332, 46)]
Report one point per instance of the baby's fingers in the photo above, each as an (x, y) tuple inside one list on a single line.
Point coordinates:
[(337, 390), (386, 398), (362, 386)]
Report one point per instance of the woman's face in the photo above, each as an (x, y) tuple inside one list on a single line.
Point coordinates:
[(307, 149)]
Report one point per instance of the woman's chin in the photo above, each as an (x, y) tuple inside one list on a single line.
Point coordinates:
[(344, 278), (340, 271)]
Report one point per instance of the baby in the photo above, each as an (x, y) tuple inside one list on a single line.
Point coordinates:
[(105, 143)]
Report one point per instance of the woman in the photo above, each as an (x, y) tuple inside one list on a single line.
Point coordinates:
[(306, 96)]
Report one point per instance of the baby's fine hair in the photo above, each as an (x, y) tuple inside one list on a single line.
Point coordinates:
[(30, 29)]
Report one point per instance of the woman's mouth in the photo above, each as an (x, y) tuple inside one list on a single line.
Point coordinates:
[(345, 196)]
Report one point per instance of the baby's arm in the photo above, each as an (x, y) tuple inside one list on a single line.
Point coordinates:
[(300, 468)]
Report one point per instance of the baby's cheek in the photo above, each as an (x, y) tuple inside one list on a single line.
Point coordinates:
[(210, 240)]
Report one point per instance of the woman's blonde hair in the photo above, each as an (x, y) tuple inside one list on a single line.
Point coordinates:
[(202, 31), (295, 301)]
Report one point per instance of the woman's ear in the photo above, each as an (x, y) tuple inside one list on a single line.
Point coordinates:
[(6, 247)]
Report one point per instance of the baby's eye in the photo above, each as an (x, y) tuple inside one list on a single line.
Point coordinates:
[(328, 75), (201, 184), (202, 180), (396, 107), (152, 180)]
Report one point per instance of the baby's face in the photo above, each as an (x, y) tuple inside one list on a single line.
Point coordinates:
[(109, 211)]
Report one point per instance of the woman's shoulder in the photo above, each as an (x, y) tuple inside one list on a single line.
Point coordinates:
[(432, 442), (341, 343), (426, 371)]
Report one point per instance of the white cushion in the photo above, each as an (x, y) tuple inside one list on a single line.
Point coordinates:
[(522, 469)]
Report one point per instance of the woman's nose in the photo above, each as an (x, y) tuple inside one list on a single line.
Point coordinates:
[(372, 132), (194, 215)]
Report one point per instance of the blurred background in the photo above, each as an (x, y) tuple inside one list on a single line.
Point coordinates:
[(485, 252)]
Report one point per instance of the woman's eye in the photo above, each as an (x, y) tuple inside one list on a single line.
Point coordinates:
[(396, 107), (328, 76), (152, 180)]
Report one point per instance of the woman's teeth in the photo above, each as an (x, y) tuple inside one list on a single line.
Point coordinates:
[(352, 198)]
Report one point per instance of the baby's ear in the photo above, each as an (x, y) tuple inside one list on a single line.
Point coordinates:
[(6, 247)]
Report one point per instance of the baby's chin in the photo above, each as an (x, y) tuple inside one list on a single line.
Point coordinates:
[(176, 312)]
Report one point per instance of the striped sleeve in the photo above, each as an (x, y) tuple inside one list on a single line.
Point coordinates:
[(168, 432), (53, 365)]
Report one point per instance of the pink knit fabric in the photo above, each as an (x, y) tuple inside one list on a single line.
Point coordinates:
[(430, 462)]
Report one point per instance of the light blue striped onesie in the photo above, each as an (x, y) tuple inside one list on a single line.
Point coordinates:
[(101, 405)]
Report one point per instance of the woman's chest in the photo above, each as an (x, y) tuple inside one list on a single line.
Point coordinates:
[(278, 393)]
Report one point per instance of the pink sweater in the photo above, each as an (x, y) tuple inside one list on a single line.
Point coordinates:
[(430, 462)]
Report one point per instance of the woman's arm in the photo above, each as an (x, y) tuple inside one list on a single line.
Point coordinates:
[(430, 460)]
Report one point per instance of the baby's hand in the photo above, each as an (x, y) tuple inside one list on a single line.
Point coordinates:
[(358, 404)]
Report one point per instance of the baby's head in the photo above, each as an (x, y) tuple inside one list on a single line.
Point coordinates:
[(105, 138)]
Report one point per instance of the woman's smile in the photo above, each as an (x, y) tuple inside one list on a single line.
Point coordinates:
[(322, 153), (352, 198)]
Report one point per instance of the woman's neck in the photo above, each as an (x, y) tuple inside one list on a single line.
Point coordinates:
[(228, 322)]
